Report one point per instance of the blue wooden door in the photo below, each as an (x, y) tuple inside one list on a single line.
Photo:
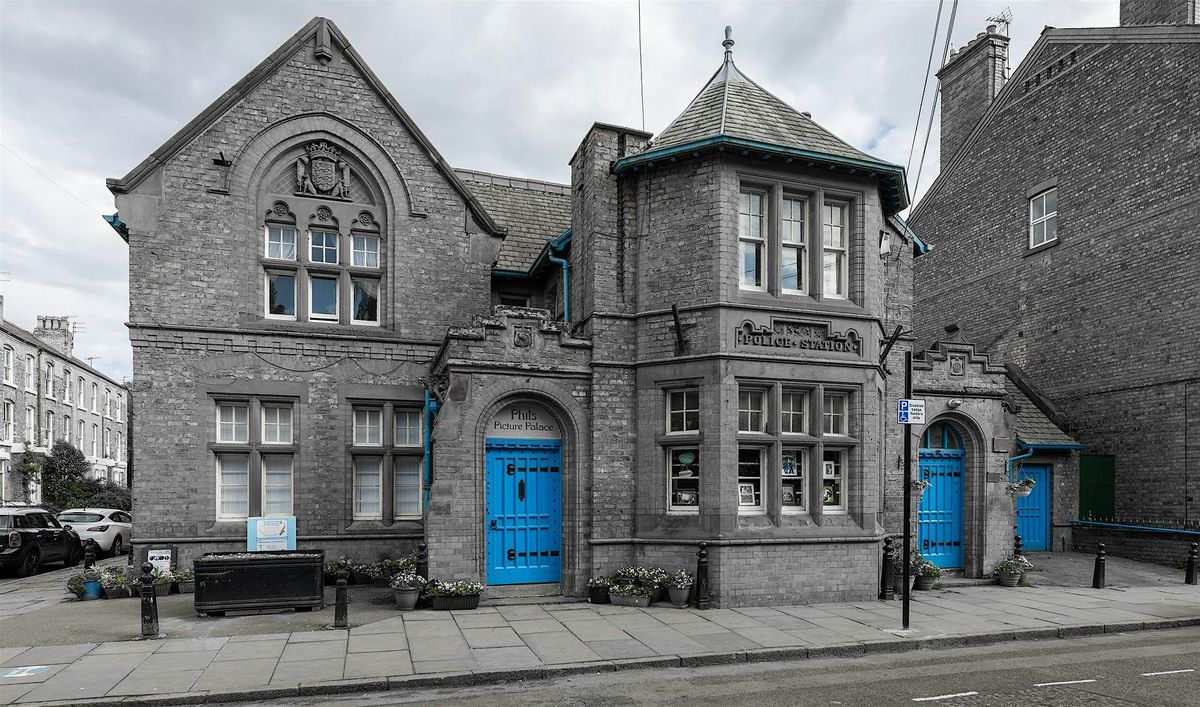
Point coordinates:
[(1033, 511), (524, 511), (940, 515)]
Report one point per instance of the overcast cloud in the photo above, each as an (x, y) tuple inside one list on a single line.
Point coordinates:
[(89, 89)]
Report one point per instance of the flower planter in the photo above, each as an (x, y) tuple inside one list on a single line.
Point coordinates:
[(161, 590), (259, 580), (924, 584), (454, 603), (679, 596), (1008, 580), (118, 593), (406, 599), (362, 579), (659, 594), (631, 600), (598, 595), (186, 587), (91, 589)]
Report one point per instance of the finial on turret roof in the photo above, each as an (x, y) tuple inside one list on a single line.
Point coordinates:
[(728, 43)]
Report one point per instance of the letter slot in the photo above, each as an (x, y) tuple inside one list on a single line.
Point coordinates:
[(521, 490)]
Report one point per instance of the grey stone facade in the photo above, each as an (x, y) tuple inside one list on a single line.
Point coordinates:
[(632, 293), (1101, 318)]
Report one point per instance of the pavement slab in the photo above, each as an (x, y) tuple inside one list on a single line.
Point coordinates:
[(378, 664), (298, 671), (503, 637), (236, 675), (152, 682), (560, 648), (376, 642), (251, 650), (49, 655), (317, 650), (507, 657)]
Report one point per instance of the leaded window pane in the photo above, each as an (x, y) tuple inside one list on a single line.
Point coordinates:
[(407, 485)]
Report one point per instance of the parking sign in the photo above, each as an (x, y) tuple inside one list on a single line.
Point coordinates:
[(910, 411)]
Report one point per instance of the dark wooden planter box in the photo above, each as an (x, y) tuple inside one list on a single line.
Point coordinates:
[(470, 601), (259, 580)]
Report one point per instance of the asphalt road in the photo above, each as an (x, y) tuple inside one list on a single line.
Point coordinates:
[(1159, 668)]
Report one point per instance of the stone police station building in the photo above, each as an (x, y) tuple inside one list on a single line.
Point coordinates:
[(544, 382)]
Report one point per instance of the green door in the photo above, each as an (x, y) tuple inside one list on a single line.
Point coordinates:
[(1096, 482)]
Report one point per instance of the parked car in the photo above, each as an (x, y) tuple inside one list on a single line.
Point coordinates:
[(109, 528), (32, 537)]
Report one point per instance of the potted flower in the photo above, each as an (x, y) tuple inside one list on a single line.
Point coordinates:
[(598, 589), (630, 595), (925, 573), (406, 587), (1007, 572), (379, 573), (362, 573), (460, 594), (1024, 487), (163, 581), (1025, 565), (333, 567), (186, 581), (919, 486), (679, 588)]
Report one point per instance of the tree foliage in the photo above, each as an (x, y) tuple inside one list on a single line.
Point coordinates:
[(31, 473), (111, 496), (65, 482)]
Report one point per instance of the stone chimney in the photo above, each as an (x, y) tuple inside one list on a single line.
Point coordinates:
[(970, 81), (56, 332), (1159, 12)]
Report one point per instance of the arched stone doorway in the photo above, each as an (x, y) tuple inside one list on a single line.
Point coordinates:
[(942, 509)]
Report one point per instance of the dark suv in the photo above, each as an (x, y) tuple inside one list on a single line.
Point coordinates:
[(32, 537)]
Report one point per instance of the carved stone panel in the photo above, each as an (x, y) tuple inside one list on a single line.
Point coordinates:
[(797, 335)]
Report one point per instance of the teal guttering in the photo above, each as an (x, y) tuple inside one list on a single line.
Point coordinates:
[(1019, 457), (1031, 448), (431, 407), (894, 186), (118, 225), (566, 282)]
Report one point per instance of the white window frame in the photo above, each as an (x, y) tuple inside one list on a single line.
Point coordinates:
[(682, 411), (65, 429), (829, 413), (366, 426), (95, 441), (48, 392), (220, 486), (30, 426), (7, 422), (786, 413), (1045, 218), (48, 429), (277, 425), (355, 251), (397, 461), (82, 402), (746, 239), (280, 242), (790, 203), (337, 246), (108, 454), (843, 251), (222, 425), (746, 398), (802, 461), (671, 507), (267, 294), (9, 365), (337, 297), (355, 499), (841, 477), (120, 408), (378, 292), (266, 486), (397, 414), (31, 373), (108, 403), (761, 506), (95, 398), (82, 429)]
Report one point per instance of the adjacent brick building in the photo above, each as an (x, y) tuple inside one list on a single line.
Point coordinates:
[(541, 381), (1065, 221), (46, 395)]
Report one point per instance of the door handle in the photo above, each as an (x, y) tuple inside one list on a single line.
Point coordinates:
[(521, 490)]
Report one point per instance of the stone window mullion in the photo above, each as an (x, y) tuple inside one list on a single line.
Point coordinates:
[(816, 240)]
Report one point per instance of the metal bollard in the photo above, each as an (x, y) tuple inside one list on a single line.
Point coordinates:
[(341, 610), (1098, 572), (1190, 576), (423, 560), (703, 600), (89, 554), (1018, 546), (887, 591), (149, 602)]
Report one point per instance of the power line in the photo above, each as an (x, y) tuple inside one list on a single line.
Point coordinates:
[(937, 92), (48, 179), (925, 86)]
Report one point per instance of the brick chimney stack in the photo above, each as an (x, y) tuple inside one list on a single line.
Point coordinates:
[(1159, 12), (970, 81), (56, 332)]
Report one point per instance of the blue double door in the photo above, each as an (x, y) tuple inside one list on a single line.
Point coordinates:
[(523, 517), (940, 515), (1033, 511)]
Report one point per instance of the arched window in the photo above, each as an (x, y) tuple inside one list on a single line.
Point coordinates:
[(941, 435)]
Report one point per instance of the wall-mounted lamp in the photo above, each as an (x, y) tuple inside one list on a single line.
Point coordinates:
[(954, 403)]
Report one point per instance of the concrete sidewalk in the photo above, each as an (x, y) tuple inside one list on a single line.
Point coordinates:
[(530, 641)]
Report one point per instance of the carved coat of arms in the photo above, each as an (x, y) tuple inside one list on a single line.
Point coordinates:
[(322, 172)]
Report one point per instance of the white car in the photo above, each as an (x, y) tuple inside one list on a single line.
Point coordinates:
[(108, 527)]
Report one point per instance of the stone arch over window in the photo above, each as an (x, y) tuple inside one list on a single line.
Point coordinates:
[(956, 430)]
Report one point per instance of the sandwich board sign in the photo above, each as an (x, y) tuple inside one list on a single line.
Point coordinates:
[(910, 411), (264, 534)]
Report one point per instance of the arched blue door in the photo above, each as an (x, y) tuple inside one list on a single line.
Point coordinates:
[(940, 514), (524, 511)]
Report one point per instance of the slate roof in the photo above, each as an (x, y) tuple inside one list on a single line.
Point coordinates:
[(1033, 426), (731, 104), (29, 338), (532, 212)]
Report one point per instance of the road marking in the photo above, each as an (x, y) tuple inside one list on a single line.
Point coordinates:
[(24, 672), (1168, 672), (1064, 682), (944, 697)]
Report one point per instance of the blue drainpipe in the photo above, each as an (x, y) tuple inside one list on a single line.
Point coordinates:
[(431, 407), (1028, 453), (566, 265)]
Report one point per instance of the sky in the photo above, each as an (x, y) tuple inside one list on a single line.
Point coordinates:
[(89, 89)]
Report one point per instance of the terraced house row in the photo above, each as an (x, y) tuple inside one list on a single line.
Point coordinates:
[(545, 381)]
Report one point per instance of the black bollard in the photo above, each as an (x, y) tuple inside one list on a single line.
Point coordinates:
[(149, 602), (1018, 546), (1098, 572), (1190, 576), (423, 560), (703, 600), (341, 610), (887, 590), (89, 554)]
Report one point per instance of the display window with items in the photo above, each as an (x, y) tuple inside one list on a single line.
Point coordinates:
[(684, 478)]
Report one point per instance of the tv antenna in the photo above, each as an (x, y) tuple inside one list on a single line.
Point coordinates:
[(1004, 18), (92, 359)]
